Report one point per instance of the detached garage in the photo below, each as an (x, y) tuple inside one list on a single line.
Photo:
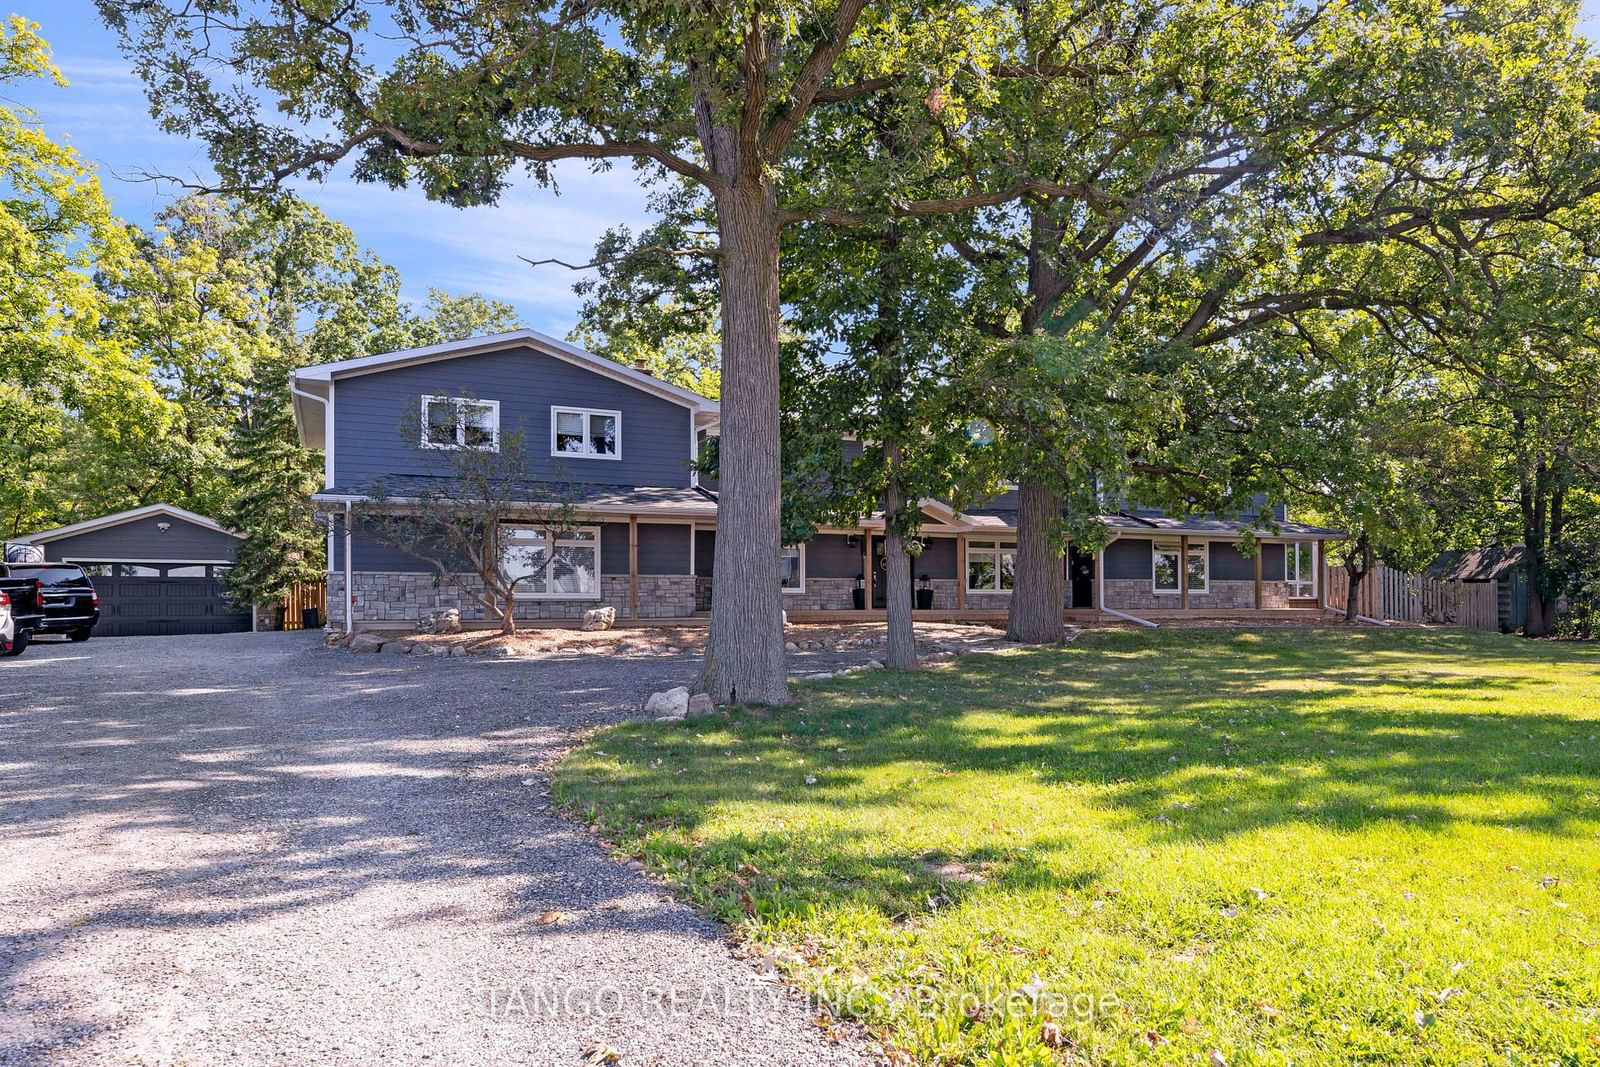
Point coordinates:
[(157, 570)]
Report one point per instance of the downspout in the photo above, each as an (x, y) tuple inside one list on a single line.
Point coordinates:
[(1100, 578), (1370, 619), (349, 589)]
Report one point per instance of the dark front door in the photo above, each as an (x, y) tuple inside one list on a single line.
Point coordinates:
[(145, 607), (1080, 578), (880, 577)]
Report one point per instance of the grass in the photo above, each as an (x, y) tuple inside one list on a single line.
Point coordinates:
[(1291, 847)]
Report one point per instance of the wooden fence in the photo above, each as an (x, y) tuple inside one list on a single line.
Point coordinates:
[(1395, 596), (305, 595)]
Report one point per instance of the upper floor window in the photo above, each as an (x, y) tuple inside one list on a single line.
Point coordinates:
[(457, 422), (1166, 566), (585, 432)]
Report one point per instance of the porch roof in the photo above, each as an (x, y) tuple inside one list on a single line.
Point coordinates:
[(676, 501), (998, 519)]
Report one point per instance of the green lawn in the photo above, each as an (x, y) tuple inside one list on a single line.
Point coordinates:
[(1292, 847)]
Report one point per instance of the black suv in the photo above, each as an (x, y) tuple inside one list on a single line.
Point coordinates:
[(70, 605)]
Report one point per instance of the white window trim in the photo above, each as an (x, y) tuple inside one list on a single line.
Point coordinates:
[(543, 537), (461, 401), (1001, 546), (1203, 547), (586, 413), (1290, 549), (801, 588)]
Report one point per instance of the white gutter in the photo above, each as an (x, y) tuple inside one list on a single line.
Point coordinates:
[(1100, 580), (327, 429)]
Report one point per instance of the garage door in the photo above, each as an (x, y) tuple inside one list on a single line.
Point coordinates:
[(145, 606)]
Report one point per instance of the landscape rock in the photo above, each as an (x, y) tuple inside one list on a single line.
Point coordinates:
[(364, 642), (790, 646), (671, 704), (442, 621), (874, 665), (395, 648), (599, 618), (700, 706)]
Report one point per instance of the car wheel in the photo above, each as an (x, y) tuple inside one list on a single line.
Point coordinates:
[(18, 643), (77, 635)]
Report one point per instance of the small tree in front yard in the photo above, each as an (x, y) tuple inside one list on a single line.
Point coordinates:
[(488, 526)]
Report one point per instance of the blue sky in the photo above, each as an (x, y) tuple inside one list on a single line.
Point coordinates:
[(104, 116)]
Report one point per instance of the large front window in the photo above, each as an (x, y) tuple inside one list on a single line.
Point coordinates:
[(991, 565), (570, 570), (1168, 564), (456, 422), (1300, 562), (581, 432)]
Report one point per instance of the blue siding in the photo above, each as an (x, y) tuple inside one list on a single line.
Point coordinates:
[(1128, 557), (142, 539), (1228, 564), (370, 411)]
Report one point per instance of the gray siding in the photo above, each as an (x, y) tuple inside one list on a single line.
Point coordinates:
[(140, 539), (829, 556), (705, 549), (370, 411), (1272, 567), (938, 559), (663, 548), (1128, 557), (614, 548), (1228, 564)]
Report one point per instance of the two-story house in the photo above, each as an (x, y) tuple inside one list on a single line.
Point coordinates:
[(620, 442)]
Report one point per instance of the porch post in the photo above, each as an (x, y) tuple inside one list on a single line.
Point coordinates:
[(1183, 571), (866, 568), (633, 566), (1258, 575), (1318, 576), (961, 572)]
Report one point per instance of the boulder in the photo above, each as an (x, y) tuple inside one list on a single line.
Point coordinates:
[(442, 621), (599, 618), (365, 642), (671, 704), (700, 706), (395, 648)]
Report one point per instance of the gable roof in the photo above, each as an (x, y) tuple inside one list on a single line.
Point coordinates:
[(311, 385), (120, 517), (1476, 564)]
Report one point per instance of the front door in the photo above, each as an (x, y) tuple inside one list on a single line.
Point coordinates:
[(880, 577), (1080, 578)]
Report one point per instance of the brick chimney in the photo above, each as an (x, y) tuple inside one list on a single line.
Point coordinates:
[(641, 366)]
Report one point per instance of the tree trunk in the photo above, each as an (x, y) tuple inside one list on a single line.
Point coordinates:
[(1038, 594), (508, 614), (1356, 569), (744, 661), (900, 652)]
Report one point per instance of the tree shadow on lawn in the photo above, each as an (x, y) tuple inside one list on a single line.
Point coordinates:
[(1189, 737)]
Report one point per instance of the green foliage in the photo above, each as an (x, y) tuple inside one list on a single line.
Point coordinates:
[(55, 231), (1332, 846)]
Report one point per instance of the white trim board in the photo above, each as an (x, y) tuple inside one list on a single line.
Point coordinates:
[(119, 518)]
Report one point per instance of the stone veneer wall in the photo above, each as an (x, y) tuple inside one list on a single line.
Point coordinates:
[(1135, 594), (390, 597)]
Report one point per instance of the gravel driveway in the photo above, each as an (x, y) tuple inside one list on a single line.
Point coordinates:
[(245, 849)]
